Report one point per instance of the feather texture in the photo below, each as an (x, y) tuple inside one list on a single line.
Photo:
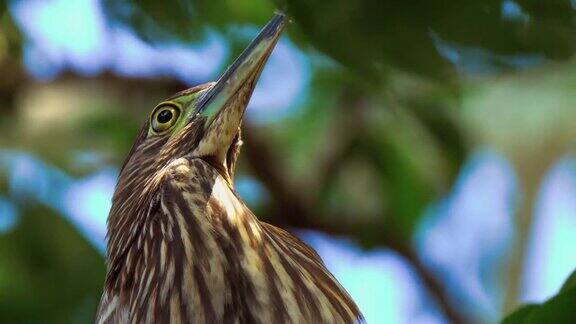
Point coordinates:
[(199, 255)]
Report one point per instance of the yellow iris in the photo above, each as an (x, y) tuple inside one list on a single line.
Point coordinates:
[(164, 117)]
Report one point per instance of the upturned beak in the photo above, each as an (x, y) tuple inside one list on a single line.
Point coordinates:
[(224, 103)]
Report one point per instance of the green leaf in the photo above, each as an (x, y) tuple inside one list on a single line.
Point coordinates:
[(558, 309), (520, 315), (569, 283)]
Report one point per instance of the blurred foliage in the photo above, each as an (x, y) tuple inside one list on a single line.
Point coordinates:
[(558, 309), (48, 276), (375, 36), (181, 19)]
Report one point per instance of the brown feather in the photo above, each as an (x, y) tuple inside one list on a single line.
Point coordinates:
[(201, 256)]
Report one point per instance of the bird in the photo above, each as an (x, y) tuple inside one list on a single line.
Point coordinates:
[(182, 246)]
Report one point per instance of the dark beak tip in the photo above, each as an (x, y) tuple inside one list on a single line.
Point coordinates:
[(269, 36), (275, 26)]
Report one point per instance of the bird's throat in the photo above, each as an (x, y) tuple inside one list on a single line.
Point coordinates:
[(226, 165)]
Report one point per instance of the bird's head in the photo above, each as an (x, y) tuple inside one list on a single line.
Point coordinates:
[(203, 121)]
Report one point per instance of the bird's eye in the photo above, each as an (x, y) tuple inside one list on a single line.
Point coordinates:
[(164, 117)]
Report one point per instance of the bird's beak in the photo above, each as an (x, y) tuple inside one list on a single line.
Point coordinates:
[(224, 103)]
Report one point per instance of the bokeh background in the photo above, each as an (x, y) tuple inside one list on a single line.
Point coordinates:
[(424, 148)]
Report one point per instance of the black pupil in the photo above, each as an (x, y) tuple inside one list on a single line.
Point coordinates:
[(164, 116)]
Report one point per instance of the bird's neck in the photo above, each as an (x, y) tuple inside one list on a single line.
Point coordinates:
[(193, 231), (190, 201)]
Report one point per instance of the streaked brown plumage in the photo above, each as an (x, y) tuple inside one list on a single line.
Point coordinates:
[(183, 247)]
